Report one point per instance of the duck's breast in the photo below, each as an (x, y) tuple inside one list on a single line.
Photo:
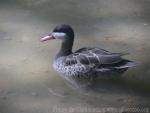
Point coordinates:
[(70, 70)]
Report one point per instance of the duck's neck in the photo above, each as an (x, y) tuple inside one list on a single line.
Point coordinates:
[(66, 47)]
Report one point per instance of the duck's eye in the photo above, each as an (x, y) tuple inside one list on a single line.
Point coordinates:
[(59, 35)]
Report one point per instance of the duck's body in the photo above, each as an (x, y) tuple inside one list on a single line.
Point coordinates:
[(91, 63), (86, 62)]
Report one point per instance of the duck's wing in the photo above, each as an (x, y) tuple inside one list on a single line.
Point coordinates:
[(93, 56), (93, 49)]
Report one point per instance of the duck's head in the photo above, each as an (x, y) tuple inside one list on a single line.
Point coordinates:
[(63, 32)]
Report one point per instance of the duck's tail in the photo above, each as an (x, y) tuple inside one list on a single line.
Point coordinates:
[(128, 64)]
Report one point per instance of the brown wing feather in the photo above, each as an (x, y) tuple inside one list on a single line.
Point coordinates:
[(92, 56)]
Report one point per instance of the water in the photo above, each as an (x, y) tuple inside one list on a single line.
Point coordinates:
[(28, 82)]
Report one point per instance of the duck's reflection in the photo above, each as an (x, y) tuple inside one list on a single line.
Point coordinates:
[(103, 86)]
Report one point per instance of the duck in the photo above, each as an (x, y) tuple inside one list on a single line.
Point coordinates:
[(87, 62)]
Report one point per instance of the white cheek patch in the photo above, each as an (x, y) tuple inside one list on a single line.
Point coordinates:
[(58, 35)]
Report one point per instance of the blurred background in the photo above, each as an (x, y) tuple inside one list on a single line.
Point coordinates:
[(28, 83)]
